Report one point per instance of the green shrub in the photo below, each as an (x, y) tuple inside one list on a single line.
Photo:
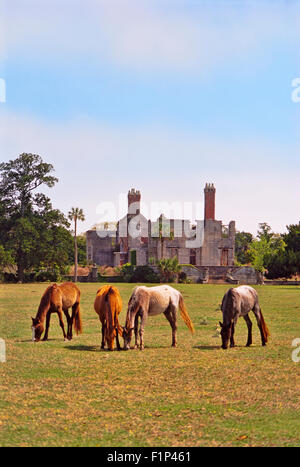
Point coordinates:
[(130, 273), (126, 271), (144, 274), (169, 269)]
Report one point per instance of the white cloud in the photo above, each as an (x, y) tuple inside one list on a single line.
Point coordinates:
[(96, 163), (143, 35)]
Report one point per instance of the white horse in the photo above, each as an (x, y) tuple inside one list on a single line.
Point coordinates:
[(151, 301)]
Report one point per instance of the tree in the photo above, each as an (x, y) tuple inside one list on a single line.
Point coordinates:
[(292, 238), (169, 269), (286, 263), (264, 231), (76, 214), (242, 244), (19, 178), (5, 258), (264, 247), (29, 226), (164, 233)]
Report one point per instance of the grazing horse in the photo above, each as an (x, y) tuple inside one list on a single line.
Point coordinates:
[(58, 299), (238, 302), (151, 301), (108, 305)]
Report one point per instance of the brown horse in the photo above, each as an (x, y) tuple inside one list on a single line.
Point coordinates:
[(151, 301), (108, 306), (238, 302), (58, 299)]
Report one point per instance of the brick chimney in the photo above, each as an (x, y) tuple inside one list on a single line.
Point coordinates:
[(209, 201), (134, 199)]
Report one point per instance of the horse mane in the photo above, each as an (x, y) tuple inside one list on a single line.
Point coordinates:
[(228, 303), (45, 300)]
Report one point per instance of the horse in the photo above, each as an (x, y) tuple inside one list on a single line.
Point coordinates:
[(58, 299), (108, 305), (238, 302), (151, 301)]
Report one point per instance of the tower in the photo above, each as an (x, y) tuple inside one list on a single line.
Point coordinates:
[(209, 201), (134, 200)]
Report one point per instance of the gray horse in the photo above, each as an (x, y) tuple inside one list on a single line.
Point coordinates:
[(238, 302), (151, 301)]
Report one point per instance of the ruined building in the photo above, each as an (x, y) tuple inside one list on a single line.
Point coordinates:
[(139, 241)]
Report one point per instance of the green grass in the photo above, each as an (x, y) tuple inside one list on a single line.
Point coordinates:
[(73, 394)]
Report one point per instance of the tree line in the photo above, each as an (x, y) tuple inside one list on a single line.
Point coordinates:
[(35, 238), (275, 255)]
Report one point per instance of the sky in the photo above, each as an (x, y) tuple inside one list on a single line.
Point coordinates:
[(159, 95)]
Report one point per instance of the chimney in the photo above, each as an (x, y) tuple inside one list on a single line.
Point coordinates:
[(134, 199), (209, 201)]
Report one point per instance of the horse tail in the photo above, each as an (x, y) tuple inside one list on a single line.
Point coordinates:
[(185, 315), (114, 303), (78, 321), (264, 327)]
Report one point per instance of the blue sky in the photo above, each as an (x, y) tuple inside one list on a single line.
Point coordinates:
[(163, 96)]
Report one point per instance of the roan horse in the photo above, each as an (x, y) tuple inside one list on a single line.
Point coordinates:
[(108, 305), (151, 301), (58, 299), (238, 302)]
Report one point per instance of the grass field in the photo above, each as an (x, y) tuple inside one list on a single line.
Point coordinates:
[(72, 394)]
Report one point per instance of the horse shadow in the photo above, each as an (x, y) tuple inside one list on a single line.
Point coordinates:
[(82, 348), (206, 347), (89, 348)]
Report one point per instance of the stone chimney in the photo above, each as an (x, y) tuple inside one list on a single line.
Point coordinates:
[(134, 200), (209, 201)]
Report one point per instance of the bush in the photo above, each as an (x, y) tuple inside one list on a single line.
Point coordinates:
[(169, 269), (126, 272), (47, 276), (144, 274), (284, 264), (130, 273), (182, 277), (9, 277)]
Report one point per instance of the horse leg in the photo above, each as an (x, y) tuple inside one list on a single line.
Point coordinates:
[(143, 322), (170, 314), (103, 334), (61, 322), (256, 311), (136, 327), (69, 321), (249, 325), (232, 343), (45, 338), (117, 334)]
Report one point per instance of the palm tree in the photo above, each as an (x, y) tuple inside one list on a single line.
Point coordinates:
[(164, 233), (75, 215)]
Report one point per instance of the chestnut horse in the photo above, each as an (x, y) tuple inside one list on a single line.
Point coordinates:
[(58, 299), (238, 302), (108, 306), (151, 301)]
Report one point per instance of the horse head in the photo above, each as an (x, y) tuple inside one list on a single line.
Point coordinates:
[(225, 334), (37, 329), (127, 332)]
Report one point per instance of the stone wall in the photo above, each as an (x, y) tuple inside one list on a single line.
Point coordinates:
[(100, 250)]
